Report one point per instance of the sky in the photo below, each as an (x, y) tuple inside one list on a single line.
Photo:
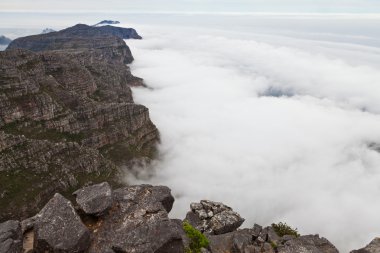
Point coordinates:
[(324, 6)]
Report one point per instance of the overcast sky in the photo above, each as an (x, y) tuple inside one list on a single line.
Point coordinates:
[(194, 5)]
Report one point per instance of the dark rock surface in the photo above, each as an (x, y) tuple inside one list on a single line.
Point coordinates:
[(95, 199), (138, 222), (267, 241), (308, 244), (372, 247), (67, 117), (213, 217), (4, 40), (10, 237), (59, 229)]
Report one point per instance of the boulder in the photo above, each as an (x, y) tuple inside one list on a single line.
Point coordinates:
[(10, 237), (213, 217), (308, 244), (372, 247), (95, 199), (138, 222), (58, 228)]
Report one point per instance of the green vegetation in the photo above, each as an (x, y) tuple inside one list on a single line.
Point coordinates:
[(197, 239), (35, 130), (283, 229)]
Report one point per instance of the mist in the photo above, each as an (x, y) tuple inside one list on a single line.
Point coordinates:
[(277, 124)]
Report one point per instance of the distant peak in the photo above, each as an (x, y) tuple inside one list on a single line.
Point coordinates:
[(107, 22), (47, 30)]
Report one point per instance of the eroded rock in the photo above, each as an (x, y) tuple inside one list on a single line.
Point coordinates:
[(372, 247), (95, 199), (58, 228), (10, 237), (213, 217), (138, 222)]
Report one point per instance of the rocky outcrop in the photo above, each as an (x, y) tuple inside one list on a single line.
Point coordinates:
[(372, 247), (10, 237), (67, 116), (136, 220), (95, 199), (58, 228), (213, 217)]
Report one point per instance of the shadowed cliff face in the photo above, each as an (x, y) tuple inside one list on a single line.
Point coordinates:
[(67, 117)]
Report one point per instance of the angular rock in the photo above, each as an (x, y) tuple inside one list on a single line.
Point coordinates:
[(372, 247), (308, 244), (225, 221), (139, 223), (10, 237), (213, 217), (59, 229), (95, 199)]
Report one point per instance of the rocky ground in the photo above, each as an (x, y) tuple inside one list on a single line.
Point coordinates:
[(135, 219), (67, 115)]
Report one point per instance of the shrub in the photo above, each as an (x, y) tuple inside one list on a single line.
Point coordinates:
[(283, 229), (197, 239)]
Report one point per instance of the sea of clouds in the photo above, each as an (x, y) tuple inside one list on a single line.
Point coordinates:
[(272, 114), (278, 124)]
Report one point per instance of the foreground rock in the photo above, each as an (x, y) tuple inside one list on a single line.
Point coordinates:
[(372, 247), (96, 199), (59, 229), (267, 241), (138, 222), (67, 117), (10, 237), (213, 217)]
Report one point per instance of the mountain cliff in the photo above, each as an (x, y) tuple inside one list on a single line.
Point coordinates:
[(67, 116)]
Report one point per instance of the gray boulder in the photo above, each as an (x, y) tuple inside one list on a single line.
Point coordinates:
[(308, 244), (58, 228), (139, 223), (372, 247), (95, 199), (213, 217), (10, 237)]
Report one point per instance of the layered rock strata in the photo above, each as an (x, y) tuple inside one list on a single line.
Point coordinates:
[(67, 116)]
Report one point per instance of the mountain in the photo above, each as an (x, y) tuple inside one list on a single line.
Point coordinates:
[(107, 22), (4, 40), (47, 30), (67, 116), (61, 39)]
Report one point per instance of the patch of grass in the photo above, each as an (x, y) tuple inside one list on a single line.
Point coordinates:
[(197, 239), (282, 229)]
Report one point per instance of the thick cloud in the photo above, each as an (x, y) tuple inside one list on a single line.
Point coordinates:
[(274, 126)]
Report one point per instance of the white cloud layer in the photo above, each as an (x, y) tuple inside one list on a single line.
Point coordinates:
[(228, 135)]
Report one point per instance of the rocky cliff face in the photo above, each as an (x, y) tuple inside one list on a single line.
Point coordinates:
[(67, 116), (135, 219)]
